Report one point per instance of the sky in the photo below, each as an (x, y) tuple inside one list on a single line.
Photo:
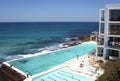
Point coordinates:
[(52, 10)]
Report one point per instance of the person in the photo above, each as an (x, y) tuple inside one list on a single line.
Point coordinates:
[(113, 43), (81, 65), (88, 56), (77, 57)]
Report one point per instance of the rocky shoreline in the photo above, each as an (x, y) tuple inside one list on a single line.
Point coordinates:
[(68, 43), (76, 40), (1, 76)]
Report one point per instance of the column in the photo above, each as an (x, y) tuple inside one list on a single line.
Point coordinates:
[(96, 51), (119, 55)]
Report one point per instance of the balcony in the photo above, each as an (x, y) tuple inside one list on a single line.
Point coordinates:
[(113, 57), (115, 18), (113, 54), (100, 42), (114, 29), (114, 32), (100, 51), (115, 15), (113, 44)]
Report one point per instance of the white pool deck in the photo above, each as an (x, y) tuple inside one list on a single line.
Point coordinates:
[(87, 69), (73, 64)]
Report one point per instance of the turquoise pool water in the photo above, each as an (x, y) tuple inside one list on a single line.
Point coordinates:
[(36, 64), (64, 74)]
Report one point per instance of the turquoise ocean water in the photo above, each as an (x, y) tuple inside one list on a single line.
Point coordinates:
[(18, 39)]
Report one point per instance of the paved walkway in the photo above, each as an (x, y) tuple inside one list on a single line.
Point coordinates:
[(86, 65)]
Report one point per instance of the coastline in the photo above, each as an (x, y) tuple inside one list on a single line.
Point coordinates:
[(71, 42), (64, 64), (40, 37)]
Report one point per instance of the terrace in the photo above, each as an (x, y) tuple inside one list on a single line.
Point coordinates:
[(100, 51), (114, 42), (113, 54), (115, 15), (100, 40), (114, 29)]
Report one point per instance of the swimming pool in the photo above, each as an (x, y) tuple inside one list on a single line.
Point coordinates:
[(63, 74), (36, 64)]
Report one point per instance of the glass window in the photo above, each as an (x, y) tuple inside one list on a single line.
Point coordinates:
[(115, 15), (102, 15), (102, 28), (114, 29)]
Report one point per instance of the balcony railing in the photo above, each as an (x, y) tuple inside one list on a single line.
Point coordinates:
[(113, 57), (102, 32), (100, 42), (115, 19), (100, 54), (115, 45), (114, 32)]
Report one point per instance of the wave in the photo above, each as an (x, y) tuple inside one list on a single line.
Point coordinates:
[(45, 50), (25, 56), (40, 51)]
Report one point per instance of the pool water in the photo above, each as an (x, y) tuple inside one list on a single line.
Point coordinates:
[(36, 64), (64, 74)]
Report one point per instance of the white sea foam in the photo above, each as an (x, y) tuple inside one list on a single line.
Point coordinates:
[(61, 45), (20, 56), (67, 39), (40, 51)]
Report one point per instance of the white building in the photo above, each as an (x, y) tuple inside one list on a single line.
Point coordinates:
[(109, 32)]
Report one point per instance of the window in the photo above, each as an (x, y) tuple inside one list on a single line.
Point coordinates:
[(102, 28), (115, 15), (102, 15)]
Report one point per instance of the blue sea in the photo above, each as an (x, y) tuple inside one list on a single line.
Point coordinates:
[(18, 39)]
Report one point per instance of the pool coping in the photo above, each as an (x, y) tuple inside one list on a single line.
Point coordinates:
[(47, 71), (15, 68)]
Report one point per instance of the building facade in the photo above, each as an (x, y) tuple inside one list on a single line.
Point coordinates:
[(109, 32)]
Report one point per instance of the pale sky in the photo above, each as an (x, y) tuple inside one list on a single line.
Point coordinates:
[(51, 10)]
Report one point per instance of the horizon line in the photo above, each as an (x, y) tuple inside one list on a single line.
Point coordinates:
[(44, 21)]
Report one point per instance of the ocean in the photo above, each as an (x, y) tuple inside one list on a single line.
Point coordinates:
[(20, 39)]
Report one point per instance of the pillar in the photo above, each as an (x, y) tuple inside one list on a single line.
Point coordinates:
[(119, 55), (96, 51)]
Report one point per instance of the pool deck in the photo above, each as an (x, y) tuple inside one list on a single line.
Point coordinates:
[(74, 65)]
